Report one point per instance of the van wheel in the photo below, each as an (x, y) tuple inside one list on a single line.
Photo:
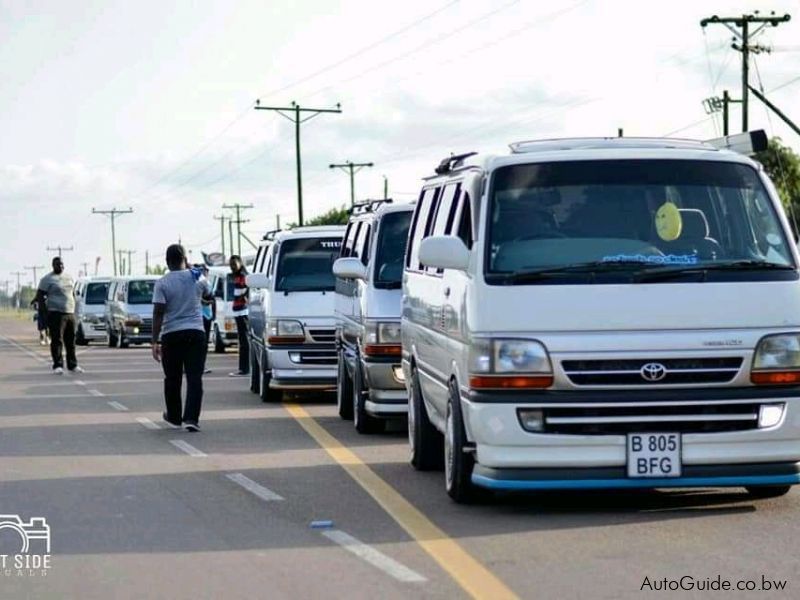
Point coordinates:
[(219, 343), (759, 492), (344, 389), (80, 339), (458, 464), (424, 440), (112, 338), (267, 394), (255, 375), (363, 422)]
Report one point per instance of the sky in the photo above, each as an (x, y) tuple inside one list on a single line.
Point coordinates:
[(149, 104)]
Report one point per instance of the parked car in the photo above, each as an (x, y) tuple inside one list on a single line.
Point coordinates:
[(90, 297), (223, 330), (129, 310), (370, 384), (613, 313), (292, 322)]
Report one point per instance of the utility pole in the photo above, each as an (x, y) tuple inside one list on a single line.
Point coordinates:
[(238, 208), (35, 270), (19, 286), (147, 262), (121, 263), (130, 253), (60, 249), (85, 268), (352, 168), (715, 104), (743, 23), (385, 187), (113, 214), (221, 231), (297, 120), (230, 235), (278, 222)]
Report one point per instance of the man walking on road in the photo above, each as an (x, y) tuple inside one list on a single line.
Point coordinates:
[(55, 296), (179, 341), (240, 298)]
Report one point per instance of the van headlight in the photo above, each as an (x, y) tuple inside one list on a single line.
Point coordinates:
[(383, 339), (509, 363), (777, 360), (284, 331)]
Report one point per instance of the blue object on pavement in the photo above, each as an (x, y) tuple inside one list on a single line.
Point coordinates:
[(321, 524)]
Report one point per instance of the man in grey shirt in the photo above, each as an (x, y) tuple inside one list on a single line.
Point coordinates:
[(179, 340), (55, 297)]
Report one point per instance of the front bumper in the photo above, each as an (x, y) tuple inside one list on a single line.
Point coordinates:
[(303, 367), (501, 443), (387, 394), (93, 331), (784, 473)]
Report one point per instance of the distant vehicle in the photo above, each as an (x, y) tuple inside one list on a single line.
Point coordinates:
[(129, 310), (603, 313), (223, 330), (90, 298), (369, 271), (292, 322)]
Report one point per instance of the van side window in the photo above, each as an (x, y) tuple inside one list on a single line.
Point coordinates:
[(343, 251), (348, 247), (465, 221), (420, 226), (445, 215), (362, 244)]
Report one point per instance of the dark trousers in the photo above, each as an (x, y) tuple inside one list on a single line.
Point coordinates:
[(242, 324), (183, 352), (207, 328), (62, 335)]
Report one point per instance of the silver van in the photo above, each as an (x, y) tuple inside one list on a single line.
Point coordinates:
[(90, 298), (129, 310)]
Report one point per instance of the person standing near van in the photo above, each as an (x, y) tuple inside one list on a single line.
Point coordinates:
[(241, 294), (179, 341), (55, 299), (209, 309)]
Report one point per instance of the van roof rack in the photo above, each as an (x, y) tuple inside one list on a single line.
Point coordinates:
[(270, 235), (452, 162), (746, 143), (359, 208), (597, 143)]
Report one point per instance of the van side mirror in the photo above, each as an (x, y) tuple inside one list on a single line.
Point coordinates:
[(257, 281), (349, 268), (444, 252)]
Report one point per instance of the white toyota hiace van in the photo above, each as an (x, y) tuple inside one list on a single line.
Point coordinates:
[(603, 313)]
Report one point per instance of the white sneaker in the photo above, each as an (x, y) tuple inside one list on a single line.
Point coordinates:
[(78, 369), (58, 371), (238, 374)]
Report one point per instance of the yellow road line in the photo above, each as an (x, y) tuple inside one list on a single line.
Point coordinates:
[(470, 574)]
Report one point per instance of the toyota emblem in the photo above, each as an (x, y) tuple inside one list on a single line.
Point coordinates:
[(653, 372)]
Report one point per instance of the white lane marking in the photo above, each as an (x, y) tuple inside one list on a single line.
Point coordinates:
[(145, 422), (23, 349), (120, 407), (188, 448), (253, 487), (374, 557), (96, 393), (160, 380), (80, 382)]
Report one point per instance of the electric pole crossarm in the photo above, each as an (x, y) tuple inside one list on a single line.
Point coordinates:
[(113, 214)]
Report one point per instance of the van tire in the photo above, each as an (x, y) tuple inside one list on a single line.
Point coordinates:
[(219, 343), (363, 422), (425, 442), (759, 492), (458, 464), (267, 393), (255, 374), (344, 389)]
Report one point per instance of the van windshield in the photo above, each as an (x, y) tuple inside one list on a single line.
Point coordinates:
[(306, 265), (391, 249), (140, 292), (96, 292), (632, 220)]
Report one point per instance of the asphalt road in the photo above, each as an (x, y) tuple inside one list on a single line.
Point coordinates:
[(135, 512)]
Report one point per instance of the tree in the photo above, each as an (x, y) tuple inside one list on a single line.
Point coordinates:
[(782, 165), (157, 270), (335, 216)]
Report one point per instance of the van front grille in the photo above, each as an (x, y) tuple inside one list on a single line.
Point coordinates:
[(655, 371), (325, 335), (312, 357), (710, 417)]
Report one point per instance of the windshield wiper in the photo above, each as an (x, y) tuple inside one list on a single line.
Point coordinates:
[(584, 267), (661, 274)]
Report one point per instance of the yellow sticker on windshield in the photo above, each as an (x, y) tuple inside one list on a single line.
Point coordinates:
[(669, 222)]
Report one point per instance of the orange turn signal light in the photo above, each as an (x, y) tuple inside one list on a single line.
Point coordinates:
[(277, 340), (383, 350), (508, 382), (775, 377)]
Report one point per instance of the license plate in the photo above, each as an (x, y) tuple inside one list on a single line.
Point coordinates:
[(654, 455)]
